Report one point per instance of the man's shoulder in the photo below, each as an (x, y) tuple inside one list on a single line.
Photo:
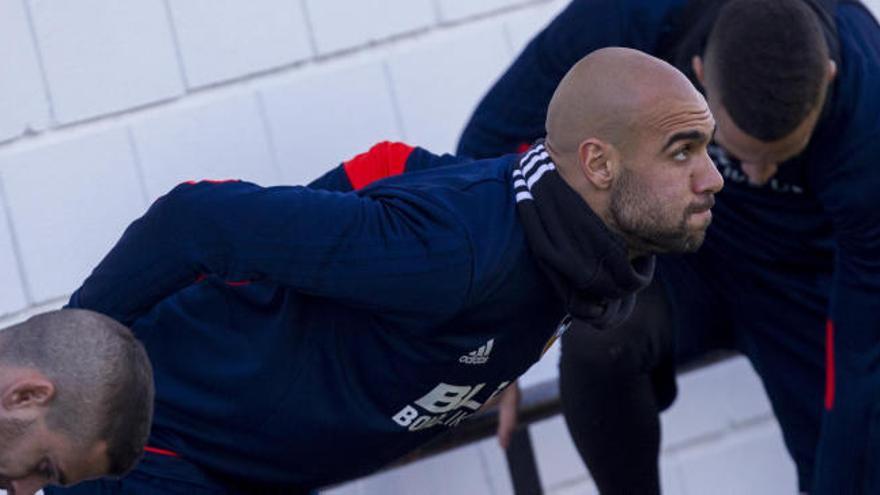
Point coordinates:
[(858, 31), (624, 6), (636, 14), (643, 13), (455, 173), (859, 35), (856, 102), (661, 6)]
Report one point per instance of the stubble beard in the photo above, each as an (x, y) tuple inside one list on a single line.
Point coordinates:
[(11, 433), (646, 228), (12, 429)]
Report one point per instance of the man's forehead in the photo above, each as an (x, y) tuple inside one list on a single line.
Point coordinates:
[(674, 114), (692, 128)]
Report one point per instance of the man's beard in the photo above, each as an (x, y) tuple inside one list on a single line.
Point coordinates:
[(12, 432), (13, 429), (648, 228)]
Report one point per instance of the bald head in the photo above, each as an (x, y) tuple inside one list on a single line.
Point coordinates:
[(630, 134), (609, 95)]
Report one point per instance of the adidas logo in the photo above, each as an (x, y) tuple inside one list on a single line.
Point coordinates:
[(480, 356)]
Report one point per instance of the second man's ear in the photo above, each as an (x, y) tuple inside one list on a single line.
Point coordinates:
[(28, 392), (596, 162), (697, 66), (831, 72)]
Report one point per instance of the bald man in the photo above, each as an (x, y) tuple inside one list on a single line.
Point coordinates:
[(302, 337)]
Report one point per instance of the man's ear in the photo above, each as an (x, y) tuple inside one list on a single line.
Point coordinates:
[(831, 72), (33, 391), (697, 66), (596, 162)]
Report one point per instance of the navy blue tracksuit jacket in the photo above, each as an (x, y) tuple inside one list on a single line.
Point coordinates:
[(302, 337)]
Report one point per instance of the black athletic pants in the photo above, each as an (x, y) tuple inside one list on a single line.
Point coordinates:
[(614, 385)]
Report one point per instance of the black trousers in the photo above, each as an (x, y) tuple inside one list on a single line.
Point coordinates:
[(615, 383), (613, 386)]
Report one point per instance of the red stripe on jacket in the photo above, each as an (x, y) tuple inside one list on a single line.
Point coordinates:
[(829, 365), (158, 451), (383, 160)]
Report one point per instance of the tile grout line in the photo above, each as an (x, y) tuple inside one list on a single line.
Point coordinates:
[(395, 100), (16, 246), (263, 76), (175, 38), (270, 137), (138, 166), (44, 77), (307, 18)]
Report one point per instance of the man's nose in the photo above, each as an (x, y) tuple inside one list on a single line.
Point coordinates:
[(707, 178), (28, 486)]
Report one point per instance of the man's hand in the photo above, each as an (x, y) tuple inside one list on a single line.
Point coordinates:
[(508, 409)]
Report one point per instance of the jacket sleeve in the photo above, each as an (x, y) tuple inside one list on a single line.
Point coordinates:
[(373, 252), (385, 159), (849, 448)]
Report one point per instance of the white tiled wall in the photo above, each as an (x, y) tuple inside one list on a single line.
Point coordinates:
[(22, 93), (437, 81), (104, 105), (105, 56), (453, 10), (222, 139), (225, 39), (12, 295), (68, 203), (320, 118), (343, 24)]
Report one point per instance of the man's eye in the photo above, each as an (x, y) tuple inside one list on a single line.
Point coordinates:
[(682, 154)]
